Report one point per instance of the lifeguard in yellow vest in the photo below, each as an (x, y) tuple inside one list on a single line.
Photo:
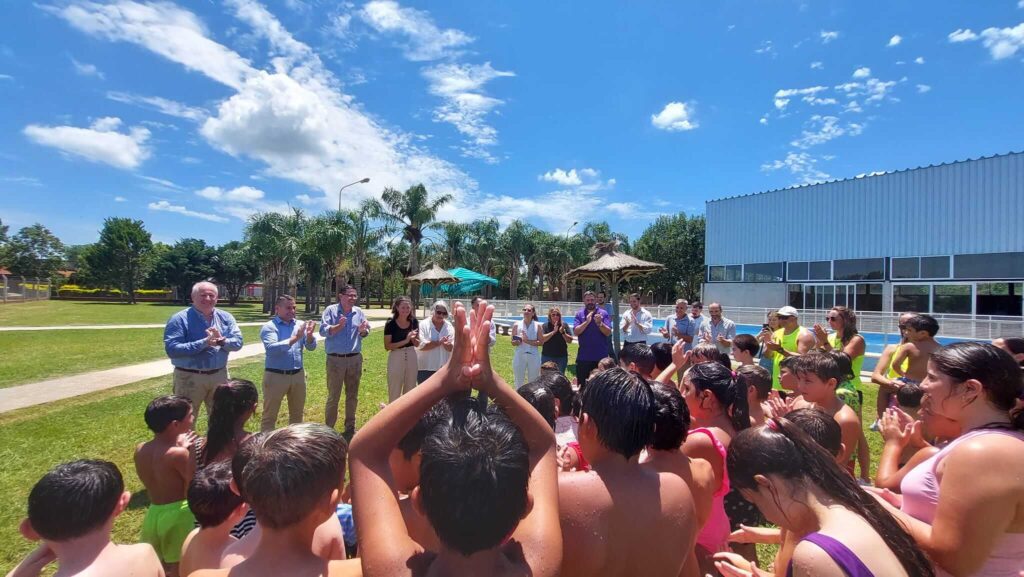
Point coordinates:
[(789, 340)]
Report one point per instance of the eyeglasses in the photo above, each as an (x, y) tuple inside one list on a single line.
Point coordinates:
[(442, 313), (832, 318), (783, 318)]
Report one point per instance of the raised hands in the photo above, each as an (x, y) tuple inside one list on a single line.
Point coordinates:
[(213, 336), (780, 407), (821, 335)]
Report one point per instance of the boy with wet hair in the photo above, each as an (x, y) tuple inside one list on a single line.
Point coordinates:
[(662, 355), (72, 511), (541, 399), (602, 534), (487, 479), (920, 331), (818, 376), (292, 478), (165, 467), (217, 509), (639, 357), (759, 385), (744, 348)]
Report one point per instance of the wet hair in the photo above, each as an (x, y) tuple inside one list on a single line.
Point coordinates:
[(819, 426), (605, 364), (788, 363), (730, 390), (289, 471), (825, 365), (474, 474), (74, 499), (561, 388), (662, 355), (782, 449), (671, 418), (231, 401), (757, 377), (412, 442), (162, 411), (412, 309), (923, 322), (849, 323), (621, 405), (210, 497), (540, 398), (909, 395), (549, 366), (1015, 345), (746, 343), (710, 354), (639, 354), (996, 370)]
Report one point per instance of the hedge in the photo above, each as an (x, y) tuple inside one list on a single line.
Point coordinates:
[(70, 290)]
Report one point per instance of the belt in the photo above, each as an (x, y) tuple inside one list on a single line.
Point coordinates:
[(343, 355), (197, 371), (282, 371)]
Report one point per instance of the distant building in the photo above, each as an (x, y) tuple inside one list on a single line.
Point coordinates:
[(946, 239)]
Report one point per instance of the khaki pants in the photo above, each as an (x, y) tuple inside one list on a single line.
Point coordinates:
[(275, 388), (343, 371), (402, 367), (198, 388)]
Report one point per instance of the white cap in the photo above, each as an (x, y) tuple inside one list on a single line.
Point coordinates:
[(441, 305), (788, 312)]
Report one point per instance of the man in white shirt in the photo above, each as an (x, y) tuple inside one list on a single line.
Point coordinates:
[(437, 338), (635, 323), (719, 330)]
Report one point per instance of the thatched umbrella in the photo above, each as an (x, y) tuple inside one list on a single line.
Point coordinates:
[(611, 268), (433, 276)]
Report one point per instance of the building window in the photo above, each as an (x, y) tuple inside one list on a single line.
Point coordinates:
[(952, 299), (925, 267), (859, 269), (797, 271), (796, 296), (716, 274), (819, 270), (911, 298), (906, 268), (994, 265), (869, 297), (935, 267), (762, 272), (1000, 299), (728, 273)]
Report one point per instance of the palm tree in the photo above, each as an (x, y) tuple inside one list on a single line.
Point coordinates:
[(514, 244), (454, 242), (482, 247), (275, 240), (365, 241), (411, 213), (325, 241)]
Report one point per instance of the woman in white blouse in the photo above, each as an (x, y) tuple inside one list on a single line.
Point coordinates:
[(526, 338)]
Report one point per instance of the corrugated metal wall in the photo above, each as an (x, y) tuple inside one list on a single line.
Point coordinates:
[(975, 206)]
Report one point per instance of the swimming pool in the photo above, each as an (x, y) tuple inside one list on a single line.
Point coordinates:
[(875, 342)]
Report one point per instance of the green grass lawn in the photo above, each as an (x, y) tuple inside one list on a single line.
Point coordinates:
[(56, 313), (30, 356), (108, 424)]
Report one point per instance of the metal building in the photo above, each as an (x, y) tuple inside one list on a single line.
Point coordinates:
[(945, 239)]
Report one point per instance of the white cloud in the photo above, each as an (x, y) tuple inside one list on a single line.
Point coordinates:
[(6, 77), (160, 182), (919, 60), (238, 194), (120, 199), (800, 164), (766, 47), (1020, 3), (631, 210), (962, 35), (26, 180), (675, 117), (163, 105), (464, 104), (922, 88), (783, 96), (99, 143), (242, 202), (824, 129), (570, 178), (817, 101), (83, 69), (423, 39), (764, 120), (895, 41), (164, 206), (817, 65), (862, 72), (828, 36)]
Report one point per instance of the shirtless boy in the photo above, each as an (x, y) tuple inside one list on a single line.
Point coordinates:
[(601, 510), (165, 468), (920, 333), (217, 509), (72, 511)]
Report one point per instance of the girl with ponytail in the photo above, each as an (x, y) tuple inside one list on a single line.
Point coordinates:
[(718, 405), (838, 529), (233, 403)]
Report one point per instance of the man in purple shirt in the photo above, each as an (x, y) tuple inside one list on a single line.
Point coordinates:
[(592, 327)]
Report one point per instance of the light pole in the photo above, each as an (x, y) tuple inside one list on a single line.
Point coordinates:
[(363, 181), (570, 228)]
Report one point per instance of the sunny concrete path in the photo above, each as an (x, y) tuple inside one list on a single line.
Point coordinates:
[(22, 396)]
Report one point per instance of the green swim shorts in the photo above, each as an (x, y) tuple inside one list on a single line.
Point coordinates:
[(165, 528)]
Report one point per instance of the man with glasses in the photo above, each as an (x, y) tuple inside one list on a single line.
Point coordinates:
[(790, 340), (672, 324), (345, 326), (437, 338)]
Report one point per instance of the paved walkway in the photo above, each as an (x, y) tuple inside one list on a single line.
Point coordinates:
[(22, 396)]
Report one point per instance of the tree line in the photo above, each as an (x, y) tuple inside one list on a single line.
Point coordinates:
[(373, 248)]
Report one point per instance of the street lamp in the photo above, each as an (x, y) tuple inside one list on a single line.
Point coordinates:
[(363, 181), (570, 228)]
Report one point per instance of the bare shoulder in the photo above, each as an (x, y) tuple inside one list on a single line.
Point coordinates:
[(811, 561), (210, 573), (703, 473), (847, 416), (584, 490), (346, 568), (984, 450)]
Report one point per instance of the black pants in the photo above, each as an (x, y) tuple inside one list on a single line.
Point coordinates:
[(583, 370)]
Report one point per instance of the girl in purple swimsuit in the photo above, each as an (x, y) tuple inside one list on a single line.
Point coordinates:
[(837, 529)]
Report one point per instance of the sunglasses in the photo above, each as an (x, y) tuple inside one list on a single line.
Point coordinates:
[(442, 313), (832, 318), (783, 318)]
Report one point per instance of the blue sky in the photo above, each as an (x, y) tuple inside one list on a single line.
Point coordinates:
[(192, 116)]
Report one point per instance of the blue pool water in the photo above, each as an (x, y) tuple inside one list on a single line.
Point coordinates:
[(875, 342)]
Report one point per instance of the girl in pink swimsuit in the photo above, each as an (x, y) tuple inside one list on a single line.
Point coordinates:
[(975, 385)]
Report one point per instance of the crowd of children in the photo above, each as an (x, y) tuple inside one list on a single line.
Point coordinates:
[(671, 462)]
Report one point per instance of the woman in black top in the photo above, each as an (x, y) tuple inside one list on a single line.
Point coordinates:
[(401, 337), (556, 338)]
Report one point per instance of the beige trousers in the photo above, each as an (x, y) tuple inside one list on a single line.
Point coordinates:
[(402, 366), (343, 371), (275, 388), (198, 388)]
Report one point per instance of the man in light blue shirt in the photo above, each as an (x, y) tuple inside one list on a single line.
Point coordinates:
[(198, 340), (672, 324), (635, 323), (690, 331), (720, 330), (283, 375), (345, 327)]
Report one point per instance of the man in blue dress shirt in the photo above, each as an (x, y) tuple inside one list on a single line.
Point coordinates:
[(283, 376), (345, 327), (198, 340)]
